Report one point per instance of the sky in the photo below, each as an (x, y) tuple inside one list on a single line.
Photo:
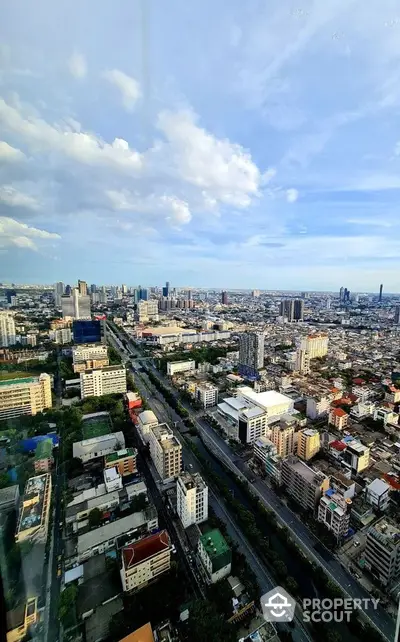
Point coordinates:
[(217, 143)]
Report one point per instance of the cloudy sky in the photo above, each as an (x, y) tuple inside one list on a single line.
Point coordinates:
[(209, 143)]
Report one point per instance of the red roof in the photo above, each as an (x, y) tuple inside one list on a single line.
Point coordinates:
[(353, 398), (145, 548), (337, 445), (358, 381), (339, 412)]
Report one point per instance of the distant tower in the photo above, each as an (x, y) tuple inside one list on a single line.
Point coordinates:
[(165, 290), (82, 287), (380, 292), (341, 292), (397, 314), (251, 354), (224, 298)]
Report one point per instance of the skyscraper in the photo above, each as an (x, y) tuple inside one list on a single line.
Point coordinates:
[(341, 292), (93, 288), (165, 290), (68, 290), (380, 292), (251, 354), (82, 287), (397, 314), (292, 309), (298, 312), (76, 306), (58, 292), (7, 329), (224, 298)]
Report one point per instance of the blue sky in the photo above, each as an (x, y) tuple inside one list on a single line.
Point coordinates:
[(230, 144)]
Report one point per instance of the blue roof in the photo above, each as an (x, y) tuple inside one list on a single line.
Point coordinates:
[(347, 439), (330, 492), (28, 445)]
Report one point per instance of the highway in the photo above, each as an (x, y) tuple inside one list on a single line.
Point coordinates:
[(301, 534)]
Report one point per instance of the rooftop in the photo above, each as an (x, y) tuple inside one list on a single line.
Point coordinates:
[(113, 530), (18, 382), (387, 531), (144, 634), (214, 543), (33, 502), (148, 417), (120, 454), (143, 549), (44, 449), (267, 399), (192, 480)]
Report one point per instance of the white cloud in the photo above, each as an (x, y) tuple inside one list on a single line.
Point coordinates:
[(12, 197), (10, 154), (223, 170), (77, 65), (128, 87), (15, 234), (173, 209), (292, 195)]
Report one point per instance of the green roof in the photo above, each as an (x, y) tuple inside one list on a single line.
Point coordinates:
[(12, 382), (44, 449), (214, 543), (118, 454)]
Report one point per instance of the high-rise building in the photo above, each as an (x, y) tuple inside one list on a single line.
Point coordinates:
[(334, 512), (93, 288), (68, 290), (58, 292), (165, 290), (397, 315), (251, 353), (341, 293), (82, 287), (105, 381), (382, 551), (7, 330), (76, 306), (224, 298), (103, 294), (25, 396), (298, 312), (34, 514), (282, 436), (191, 499), (302, 361), (303, 483), (189, 295), (166, 452), (380, 292), (315, 344), (10, 296), (308, 443), (124, 289), (286, 309), (143, 294)]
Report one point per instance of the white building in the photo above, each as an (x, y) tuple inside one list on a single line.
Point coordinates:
[(302, 361), (147, 311), (86, 352), (97, 447), (382, 551), (173, 367), (112, 479), (76, 306), (215, 555), (206, 394), (147, 421), (334, 513), (7, 330), (316, 345), (165, 452), (144, 561), (377, 494), (106, 381), (318, 406), (192, 499)]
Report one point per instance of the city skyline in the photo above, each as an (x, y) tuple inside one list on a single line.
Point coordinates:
[(270, 154)]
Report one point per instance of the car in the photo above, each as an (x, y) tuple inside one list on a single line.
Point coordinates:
[(59, 572)]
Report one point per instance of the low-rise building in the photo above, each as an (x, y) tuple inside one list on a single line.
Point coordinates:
[(61, 336), (173, 367), (9, 499), (377, 494), (308, 443), (44, 456), (145, 560), (146, 421), (35, 509), (382, 551), (334, 513), (303, 483), (106, 381), (192, 499), (21, 619), (96, 447), (165, 452), (88, 352), (338, 418), (318, 406), (215, 555), (25, 396), (206, 394), (123, 460), (133, 400)]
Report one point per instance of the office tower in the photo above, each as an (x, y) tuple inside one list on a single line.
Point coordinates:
[(308, 443), (7, 330), (189, 295), (105, 381), (93, 288), (382, 551), (103, 294), (397, 314), (346, 295), (251, 353), (286, 309), (328, 304), (68, 290), (165, 290), (224, 298), (143, 294), (191, 499), (10, 296), (88, 331), (76, 306), (282, 436), (58, 292), (380, 293), (341, 292), (25, 396), (82, 287), (298, 310), (124, 289), (255, 294)]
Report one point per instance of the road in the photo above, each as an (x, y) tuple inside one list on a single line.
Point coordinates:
[(301, 534), (167, 415)]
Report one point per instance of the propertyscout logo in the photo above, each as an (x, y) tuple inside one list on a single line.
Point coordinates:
[(279, 606)]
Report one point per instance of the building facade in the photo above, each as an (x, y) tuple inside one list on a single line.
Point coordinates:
[(302, 483), (75, 305), (251, 353), (34, 514), (308, 443), (334, 513), (215, 555), (166, 452), (106, 381), (338, 418), (173, 367), (123, 460), (282, 436), (26, 396), (382, 551), (191, 499), (7, 330), (206, 394), (144, 561)]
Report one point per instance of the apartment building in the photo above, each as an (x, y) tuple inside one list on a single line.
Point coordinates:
[(392, 394), (265, 453), (377, 494), (192, 499), (144, 561), (338, 418), (282, 436), (96, 447), (106, 381), (147, 311), (308, 443), (173, 367), (382, 551), (7, 330), (334, 512), (146, 421), (75, 305), (251, 353), (302, 363), (166, 452), (316, 345), (355, 456), (61, 336), (206, 394), (318, 405), (33, 519), (44, 456), (123, 460), (215, 555), (88, 352), (26, 396), (303, 483)]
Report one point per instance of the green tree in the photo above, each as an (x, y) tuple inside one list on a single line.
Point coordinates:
[(95, 518), (139, 503), (207, 625), (4, 480), (67, 604)]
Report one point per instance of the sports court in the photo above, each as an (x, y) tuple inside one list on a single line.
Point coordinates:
[(96, 425)]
